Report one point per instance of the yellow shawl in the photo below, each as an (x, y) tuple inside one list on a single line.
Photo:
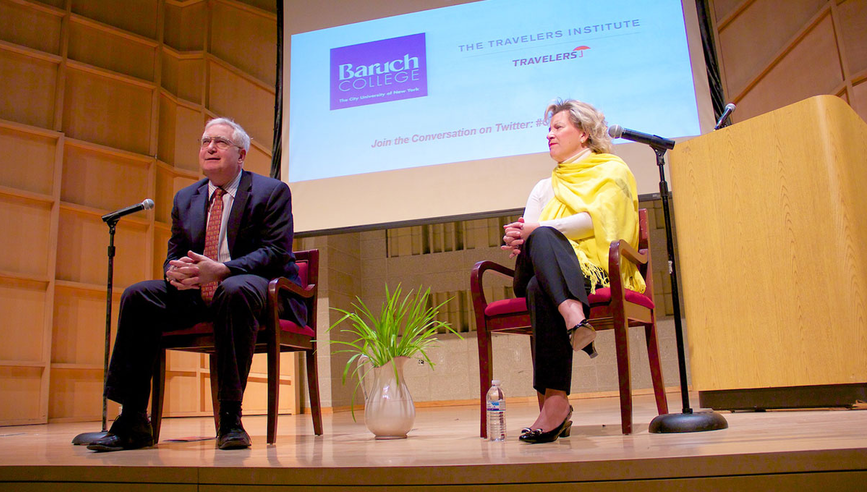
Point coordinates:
[(603, 186)]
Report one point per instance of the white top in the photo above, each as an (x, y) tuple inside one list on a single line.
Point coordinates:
[(578, 226)]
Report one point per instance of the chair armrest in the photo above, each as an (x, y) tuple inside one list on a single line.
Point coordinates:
[(617, 252), (476, 286), (281, 285)]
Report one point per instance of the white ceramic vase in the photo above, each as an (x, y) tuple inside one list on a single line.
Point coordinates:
[(388, 410)]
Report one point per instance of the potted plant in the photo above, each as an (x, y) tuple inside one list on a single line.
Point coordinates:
[(382, 344)]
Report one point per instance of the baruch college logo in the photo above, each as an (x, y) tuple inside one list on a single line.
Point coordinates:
[(378, 71)]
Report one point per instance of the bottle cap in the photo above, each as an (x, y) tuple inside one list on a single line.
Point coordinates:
[(495, 382)]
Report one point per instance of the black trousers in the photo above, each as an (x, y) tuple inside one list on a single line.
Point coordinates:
[(148, 308), (547, 273)]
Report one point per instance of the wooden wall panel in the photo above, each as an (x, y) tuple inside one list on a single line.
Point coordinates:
[(191, 77), (166, 130), (136, 16), (183, 75), (33, 170), (185, 26), (186, 361), (124, 54), (27, 79), (76, 394), (82, 92), (79, 326), (255, 55), (169, 74), (258, 162), (161, 241), (22, 305), (163, 197), (724, 8), (21, 389), (26, 226), (188, 135), (824, 75), (231, 94), (179, 132), (256, 397), (98, 109), (853, 25), (28, 27), (183, 395), (168, 184), (757, 35), (101, 180), (267, 5), (81, 250)]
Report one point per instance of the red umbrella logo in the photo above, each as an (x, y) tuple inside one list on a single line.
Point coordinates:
[(580, 50)]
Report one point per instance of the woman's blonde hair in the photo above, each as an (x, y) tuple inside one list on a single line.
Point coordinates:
[(586, 118)]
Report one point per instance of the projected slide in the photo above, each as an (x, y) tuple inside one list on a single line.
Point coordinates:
[(471, 81)]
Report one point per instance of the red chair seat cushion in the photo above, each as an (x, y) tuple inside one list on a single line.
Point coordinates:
[(205, 328), (601, 296), (506, 306), (291, 327)]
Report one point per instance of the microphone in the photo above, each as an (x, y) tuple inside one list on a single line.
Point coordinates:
[(617, 131), (729, 109), (147, 204)]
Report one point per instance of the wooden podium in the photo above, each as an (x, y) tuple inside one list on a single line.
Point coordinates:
[(771, 222)]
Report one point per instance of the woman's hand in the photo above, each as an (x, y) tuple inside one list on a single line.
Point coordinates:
[(515, 235)]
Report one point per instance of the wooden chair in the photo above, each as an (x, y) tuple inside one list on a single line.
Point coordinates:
[(611, 308), (275, 336)]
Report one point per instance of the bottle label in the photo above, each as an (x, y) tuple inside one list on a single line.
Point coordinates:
[(494, 406)]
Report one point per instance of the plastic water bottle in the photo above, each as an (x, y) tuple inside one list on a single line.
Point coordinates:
[(496, 405)]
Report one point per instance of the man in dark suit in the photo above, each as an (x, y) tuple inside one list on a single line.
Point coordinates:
[(231, 234)]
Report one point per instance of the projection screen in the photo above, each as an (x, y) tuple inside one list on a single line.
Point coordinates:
[(396, 113)]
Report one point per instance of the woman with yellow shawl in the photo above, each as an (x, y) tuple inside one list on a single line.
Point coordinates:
[(562, 245)]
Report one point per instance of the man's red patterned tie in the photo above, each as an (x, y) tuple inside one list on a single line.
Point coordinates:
[(212, 239)]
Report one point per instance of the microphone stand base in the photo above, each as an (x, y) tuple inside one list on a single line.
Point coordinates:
[(88, 437), (687, 422)]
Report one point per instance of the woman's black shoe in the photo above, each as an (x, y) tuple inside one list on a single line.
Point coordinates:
[(536, 436), (582, 337)]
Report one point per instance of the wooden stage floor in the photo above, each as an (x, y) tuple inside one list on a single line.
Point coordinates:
[(777, 450)]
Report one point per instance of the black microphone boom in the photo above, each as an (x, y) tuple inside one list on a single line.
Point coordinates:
[(729, 109), (147, 204), (617, 131)]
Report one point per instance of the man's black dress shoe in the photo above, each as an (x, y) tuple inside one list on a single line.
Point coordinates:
[(131, 430), (236, 438), (232, 434)]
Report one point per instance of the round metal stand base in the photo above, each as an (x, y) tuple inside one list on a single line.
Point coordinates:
[(687, 422), (88, 437)]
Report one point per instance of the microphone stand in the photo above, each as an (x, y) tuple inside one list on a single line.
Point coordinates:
[(687, 421), (89, 437)]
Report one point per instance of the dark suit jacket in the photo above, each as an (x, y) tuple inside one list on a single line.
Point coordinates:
[(260, 229)]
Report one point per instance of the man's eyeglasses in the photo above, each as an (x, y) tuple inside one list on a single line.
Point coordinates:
[(219, 142)]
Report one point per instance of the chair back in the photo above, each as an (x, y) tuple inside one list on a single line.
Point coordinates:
[(308, 273), (644, 249), (302, 272)]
